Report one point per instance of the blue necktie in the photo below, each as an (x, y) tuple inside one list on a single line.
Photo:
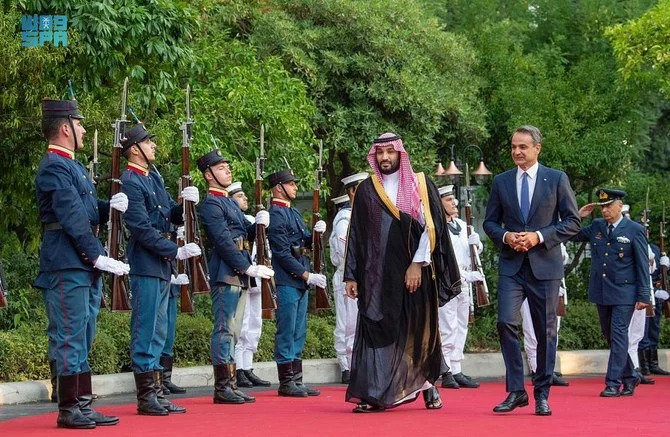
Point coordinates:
[(525, 197)]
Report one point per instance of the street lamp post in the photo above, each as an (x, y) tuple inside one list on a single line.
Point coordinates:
[(453, 172)]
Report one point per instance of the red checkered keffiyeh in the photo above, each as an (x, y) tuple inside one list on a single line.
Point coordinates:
[(408, 200)]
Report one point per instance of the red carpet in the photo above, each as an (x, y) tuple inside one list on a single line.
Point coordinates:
[(578, 411)]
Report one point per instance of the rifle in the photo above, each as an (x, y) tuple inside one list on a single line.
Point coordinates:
[(268, 288), (651, 309), (3, 289), (93, 175), (115, 242), (196, 266), (318, 254), (471, 312), (664, 270), (482, 289), (185, 296), (562, 301)]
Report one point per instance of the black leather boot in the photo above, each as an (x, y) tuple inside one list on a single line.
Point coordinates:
[(255, 380), (653, 363), (242, 380), (160, 397), (643, 357), (54, 380), (147, 403), (297, 378), (287, 386), (85, 397), (69, 414), (233, 384), (223, 392), (168, 386)]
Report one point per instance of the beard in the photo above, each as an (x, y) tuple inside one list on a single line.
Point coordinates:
[(394, 168)]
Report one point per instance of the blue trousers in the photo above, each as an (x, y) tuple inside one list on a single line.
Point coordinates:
[(542, 298), (652, 328), (291, 317), (73, 302), (148, 322), (228, 303), (614, 321), (168, 349)]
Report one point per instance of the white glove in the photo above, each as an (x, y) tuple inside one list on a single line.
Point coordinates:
[(474, 240), (180, 279), (471, 277), (320, 226), (188, 250), (191, 194), (111, 265), (261, 271), (561, 291), (664, 261), (119, 202), (317, 279), (564, 254), (661, 294), (180, 233), (263, 218)]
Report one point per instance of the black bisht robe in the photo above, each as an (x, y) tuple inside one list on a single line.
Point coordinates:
[(397, 347)]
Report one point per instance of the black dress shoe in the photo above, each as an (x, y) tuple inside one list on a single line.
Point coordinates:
[(242, 380), (346, 376), (629, 388), (542, 408), (255, 380), (465, 381), (448, 381), (514, 399), (558, 381), (610, 392), (646, 381)]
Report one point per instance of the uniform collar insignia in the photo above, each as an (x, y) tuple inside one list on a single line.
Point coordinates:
[(60, 150), (218, 192), (137, 168), (281, 202)]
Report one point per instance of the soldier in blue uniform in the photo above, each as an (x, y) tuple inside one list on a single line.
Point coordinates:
[(289, 241), (230, 235), (71, 260), (619, 282), (151, 251), (648, 347)]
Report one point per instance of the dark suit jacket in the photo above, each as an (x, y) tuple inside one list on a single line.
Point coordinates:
[(553, 199), (619, 263)]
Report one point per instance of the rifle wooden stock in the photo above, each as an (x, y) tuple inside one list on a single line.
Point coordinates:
[(322, 299), (481, 288), (185, 296), (118, 284), (471, 312), (3, 290)]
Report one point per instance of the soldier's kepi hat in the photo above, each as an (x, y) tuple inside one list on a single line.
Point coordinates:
[(60, 109), (134, 136), (234, 188), (281, 177), (209, 159), (447, 190), (607, 196), (354, 179)]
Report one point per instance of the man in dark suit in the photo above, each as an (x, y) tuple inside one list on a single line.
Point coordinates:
[(619, 283), (531, 211)]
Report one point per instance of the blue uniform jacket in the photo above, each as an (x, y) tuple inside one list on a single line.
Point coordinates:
[(149, 218), (225, 224), (66, 195), (656, 274), (552, 199), (620, 263), (287, 230)]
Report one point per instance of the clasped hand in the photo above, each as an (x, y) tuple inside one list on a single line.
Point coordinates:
[(522, 241)]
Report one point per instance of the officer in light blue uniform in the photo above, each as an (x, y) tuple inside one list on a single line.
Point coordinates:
[(290, 241), (151, 251), (230, 235), (619, 282), (71, 261)]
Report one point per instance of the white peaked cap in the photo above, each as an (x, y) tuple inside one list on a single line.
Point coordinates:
[(340, 200), (354, 179)]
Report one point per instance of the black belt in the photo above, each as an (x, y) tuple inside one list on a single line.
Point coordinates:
[(55, 226)]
